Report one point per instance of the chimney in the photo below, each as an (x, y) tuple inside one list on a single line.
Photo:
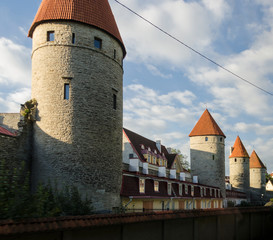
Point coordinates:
[(158, 145)]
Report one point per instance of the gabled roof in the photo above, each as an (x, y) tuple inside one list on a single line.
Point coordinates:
[(239, 149), (6, 132), (255, 161), (96, 13), (206, 125), (137, 140)]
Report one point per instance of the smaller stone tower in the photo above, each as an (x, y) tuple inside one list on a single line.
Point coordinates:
[(239, 167), (257, 172), (207, 152)]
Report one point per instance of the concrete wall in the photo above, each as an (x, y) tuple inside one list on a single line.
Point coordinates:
[(208, 160), (78, 141), (224, 224)]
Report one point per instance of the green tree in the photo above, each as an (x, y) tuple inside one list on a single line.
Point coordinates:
[(182, 158), (17, 201)]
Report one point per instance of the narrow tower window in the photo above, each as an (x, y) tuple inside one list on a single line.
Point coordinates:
[(212, 157), (50, 36), (115, 53), (66, 91), (114, 101), (97, 43), (73, 38)]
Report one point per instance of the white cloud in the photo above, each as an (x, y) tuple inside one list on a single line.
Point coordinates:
[(15, 64), (194, 23), (156, 72), (11, 102)]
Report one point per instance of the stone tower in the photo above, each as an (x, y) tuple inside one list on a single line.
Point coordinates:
[(207, 152), (239, 167), (257, 172), (77, 77)]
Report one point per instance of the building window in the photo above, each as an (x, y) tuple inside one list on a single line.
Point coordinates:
[(210, 192), (201, 191), (221, 139), (235, 160), (169, 189), (180, 189), (205, 191), (50, 36), (115, 53), (131, 155), (206, 139), (149, 158), (212, 157), (192, 191), (156, 186), (66, 91), (186, 189), (73, 38), (114, 101), (141, 185), (97, 43)]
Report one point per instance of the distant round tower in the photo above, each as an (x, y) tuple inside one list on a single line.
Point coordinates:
[(257, 172), (207, 152), (77, 77), (239, 167)]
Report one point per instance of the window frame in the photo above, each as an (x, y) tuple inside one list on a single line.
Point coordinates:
[(50, 37), (97, 43), (142, 185)]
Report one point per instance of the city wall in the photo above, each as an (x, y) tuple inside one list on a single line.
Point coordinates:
[(233, 223)]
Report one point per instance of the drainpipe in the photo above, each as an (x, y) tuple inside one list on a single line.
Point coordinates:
[(131, 199)]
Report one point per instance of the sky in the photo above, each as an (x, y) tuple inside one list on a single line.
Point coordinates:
[(167, 87)]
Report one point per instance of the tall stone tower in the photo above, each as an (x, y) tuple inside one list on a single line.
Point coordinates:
[(77, 77), (239, 167), (257, 172), (207, 152)]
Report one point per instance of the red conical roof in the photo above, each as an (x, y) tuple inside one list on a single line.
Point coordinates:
[(93, 12), (255, 161), (206, 125), (239, 149)]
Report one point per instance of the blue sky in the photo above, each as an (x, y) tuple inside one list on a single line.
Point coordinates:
[(166, 86)]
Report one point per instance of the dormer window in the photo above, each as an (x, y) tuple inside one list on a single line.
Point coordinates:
[(169, 188), (141, 185), (155, 151), (149, 149), (142, 146), (180, 189)]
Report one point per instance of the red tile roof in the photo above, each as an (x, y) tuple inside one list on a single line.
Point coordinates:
[(239, 149), (206, 125), (93, 12), (137, 140), (255, 161), (6, 132)]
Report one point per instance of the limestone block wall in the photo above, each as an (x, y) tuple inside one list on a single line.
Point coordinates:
[(207, 155), (257, 182), (78, 141), (239, 174), (10, 120)]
